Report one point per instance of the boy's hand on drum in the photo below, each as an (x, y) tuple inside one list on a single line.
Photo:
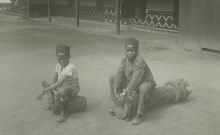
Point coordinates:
[(116, 100), (121, 100)]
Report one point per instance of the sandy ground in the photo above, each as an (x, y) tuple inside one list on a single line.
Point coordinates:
[(27, 56)]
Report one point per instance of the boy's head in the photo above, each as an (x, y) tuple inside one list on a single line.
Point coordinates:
[(63, 54), (131, 48)]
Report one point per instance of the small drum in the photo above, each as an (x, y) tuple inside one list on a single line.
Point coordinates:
[(128, 111), (76, 104)]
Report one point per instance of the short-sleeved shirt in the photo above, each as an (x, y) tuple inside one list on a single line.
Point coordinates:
[(71, 72)]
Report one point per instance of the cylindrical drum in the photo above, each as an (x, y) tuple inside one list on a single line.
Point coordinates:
[(76, 104), (128, 110), (173, 91)]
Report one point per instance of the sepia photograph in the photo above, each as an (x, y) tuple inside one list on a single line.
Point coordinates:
[(109, 67)]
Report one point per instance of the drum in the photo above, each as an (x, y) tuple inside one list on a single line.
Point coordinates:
[(76, 104), (128, 110)]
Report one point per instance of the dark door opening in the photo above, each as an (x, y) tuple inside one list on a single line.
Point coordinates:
[(127, 8), (140, 9), (176, 13), (100, 6)]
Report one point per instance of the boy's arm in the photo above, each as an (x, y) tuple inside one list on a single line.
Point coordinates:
[(119, 77), (56, 84), (53, 86), (136, 77), (55, 78)]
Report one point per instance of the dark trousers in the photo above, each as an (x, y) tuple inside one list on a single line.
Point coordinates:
[(142, 94)]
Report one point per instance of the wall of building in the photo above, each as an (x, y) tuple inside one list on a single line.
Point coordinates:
[(62, 2), (88, 3), (38, 8), (154, 13), (110, 3), (87, 10), (190, 24), (39, 1), (159, 14), (210, 25), (199, 25), (160, 5), (63, 10)]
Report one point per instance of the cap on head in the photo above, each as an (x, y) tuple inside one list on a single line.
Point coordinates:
[(132, 41), (63, 49)]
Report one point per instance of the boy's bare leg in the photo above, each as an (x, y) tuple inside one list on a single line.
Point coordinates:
[(46, 84), (64, 114), (66, 93)]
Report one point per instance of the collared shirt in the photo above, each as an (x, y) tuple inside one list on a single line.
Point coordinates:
[(70, 71), (136, 73)]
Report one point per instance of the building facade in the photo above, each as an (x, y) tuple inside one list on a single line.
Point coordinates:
[(196, 21), (199, 27), (158, 14)]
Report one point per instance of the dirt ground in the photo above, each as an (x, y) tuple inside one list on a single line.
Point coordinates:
[(27, 56)]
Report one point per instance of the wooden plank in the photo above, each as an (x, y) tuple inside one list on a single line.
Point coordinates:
[(210, 25), (190, 24)]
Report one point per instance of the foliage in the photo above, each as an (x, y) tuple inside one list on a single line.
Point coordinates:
[(19, 6), (13, 1)]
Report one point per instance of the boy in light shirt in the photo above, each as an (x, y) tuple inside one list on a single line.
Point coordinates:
[(65, 82)]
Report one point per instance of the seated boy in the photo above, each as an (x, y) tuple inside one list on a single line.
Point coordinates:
[(66, 80), (133, 76)]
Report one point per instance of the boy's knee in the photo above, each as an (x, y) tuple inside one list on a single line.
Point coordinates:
[(64, 90), (145, 88), (68, 88), (60, 91)]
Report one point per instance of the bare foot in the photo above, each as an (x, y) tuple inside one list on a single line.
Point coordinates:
[(47, 108), (111, 112)]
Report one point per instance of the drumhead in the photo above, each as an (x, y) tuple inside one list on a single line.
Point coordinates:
[(128, 110), (122, 112)]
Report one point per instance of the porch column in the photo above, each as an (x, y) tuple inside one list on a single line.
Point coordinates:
[(118, 18), (29, 8), (49, 10), (77, 13)]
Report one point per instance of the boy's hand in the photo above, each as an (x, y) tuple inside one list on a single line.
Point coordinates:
[(116, 100), (39, 97), (121, 100)]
